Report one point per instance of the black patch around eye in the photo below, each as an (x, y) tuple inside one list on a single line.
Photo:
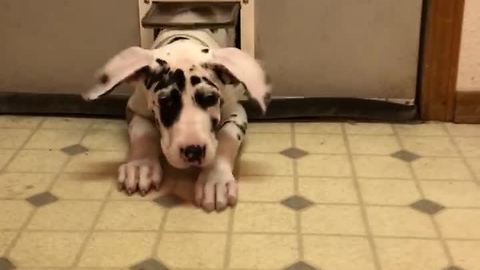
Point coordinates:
[(170, 108), (104, 79), (179, 78), (206, 100), (165, 78), (207, 81), (194, 80), (205, 50)]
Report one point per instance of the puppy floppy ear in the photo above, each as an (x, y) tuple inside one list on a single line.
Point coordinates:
[(121, 67), (233, 66)]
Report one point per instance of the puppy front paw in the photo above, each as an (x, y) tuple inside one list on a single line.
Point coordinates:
[(216, 188), (141, 175)]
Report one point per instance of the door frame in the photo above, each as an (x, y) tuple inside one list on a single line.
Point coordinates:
[(439, 59)]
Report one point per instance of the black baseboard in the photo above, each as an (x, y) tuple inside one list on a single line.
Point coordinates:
[(279, 109)]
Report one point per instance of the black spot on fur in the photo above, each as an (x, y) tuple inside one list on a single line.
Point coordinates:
[(165, 78), (209, 82), (242, 128), (214, 121), (206, 50), (223, 74), (170, 108), (177, 39), (239, 137), (205, 100), (233, 115), (104, 79), (194, 80), (192, 68)]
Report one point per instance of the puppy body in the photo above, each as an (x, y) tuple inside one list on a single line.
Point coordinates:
[(185, 106)]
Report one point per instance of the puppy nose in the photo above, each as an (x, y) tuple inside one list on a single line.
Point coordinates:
[(194, 153)]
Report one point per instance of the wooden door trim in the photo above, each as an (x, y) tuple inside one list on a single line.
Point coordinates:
[(440, 58)]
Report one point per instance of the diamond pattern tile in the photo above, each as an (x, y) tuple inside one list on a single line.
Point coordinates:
[(301, 266), (6, 264), (42, 199), (427, 206), (75, 149), (296, 202), (169, 201), (149, 264), (406, 156), (294, 153)]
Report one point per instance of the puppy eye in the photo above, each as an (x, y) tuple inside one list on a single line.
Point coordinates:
[(206, 100)]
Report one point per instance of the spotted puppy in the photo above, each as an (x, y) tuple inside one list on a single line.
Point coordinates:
[(185, 106)]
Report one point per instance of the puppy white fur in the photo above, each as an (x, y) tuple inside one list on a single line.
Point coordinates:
[(185, 106)]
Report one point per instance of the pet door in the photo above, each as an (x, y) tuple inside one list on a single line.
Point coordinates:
[(208, 15)]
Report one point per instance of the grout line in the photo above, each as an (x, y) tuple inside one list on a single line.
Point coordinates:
[(161, 230), (364, 214), (418, 185), (298, 216), (22, 229), (229, 240), (463, 157)]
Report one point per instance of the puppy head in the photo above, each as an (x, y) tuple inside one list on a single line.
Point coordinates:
[(184, 84)]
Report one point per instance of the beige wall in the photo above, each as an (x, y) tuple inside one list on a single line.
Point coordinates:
[(55, 46), (469, 70)]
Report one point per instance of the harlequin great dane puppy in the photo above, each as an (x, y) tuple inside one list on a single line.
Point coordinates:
[(186, 107)]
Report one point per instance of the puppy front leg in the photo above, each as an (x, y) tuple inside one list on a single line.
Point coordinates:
[(142, 169), (216, 187)]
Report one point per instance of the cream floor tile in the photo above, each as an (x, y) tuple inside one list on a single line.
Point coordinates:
[(23, 185), (5, 156), (326, 128), (53, 139), (263, 251), (83, 186), (14, 214), (429, 146), (260, 217), (13, 138), (452, 194), (265, 164), (388, 192), (328, 190), (96, 162), (7, 121), (411, 254), (197, 251), (475, 165), (131, 215), (66, 123), (193, 219), (6, 239), (459, 223), (426, 129), (37, 161), (65, 216), (110, 140), (111, 124), (267, 142), (369, 129), (333, 220), (117, 249), (331, 252), (381, 167), (265, 188), (321, 143), (47, 249), (465, 254), (324, 165), (469, 146), (463, 130), (441, 169), (395, 221), (382, 145), (269, 128)]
